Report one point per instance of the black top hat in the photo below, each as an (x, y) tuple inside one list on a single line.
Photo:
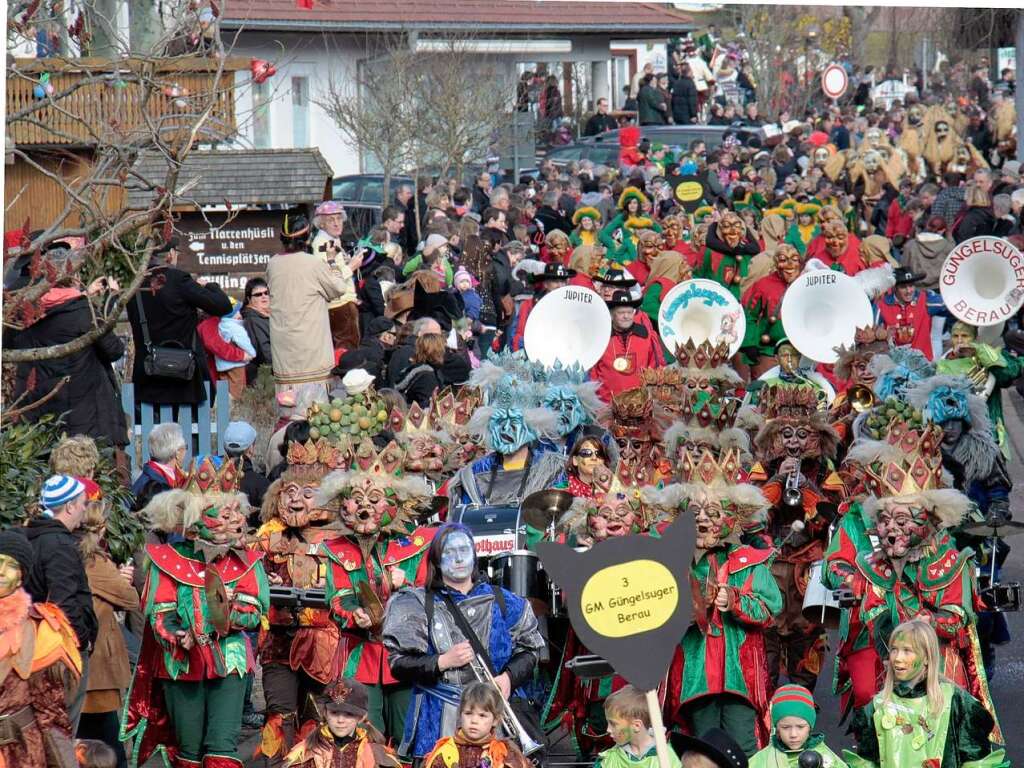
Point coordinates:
[(715, 744), (622, 299), (554, 272), (905, 276), (614, 276)]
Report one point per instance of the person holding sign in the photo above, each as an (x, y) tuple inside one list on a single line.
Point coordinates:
[(719, 675), (629, 725)]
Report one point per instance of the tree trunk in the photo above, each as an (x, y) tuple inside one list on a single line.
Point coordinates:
[(861, 19), (102, 16), (144, 30)]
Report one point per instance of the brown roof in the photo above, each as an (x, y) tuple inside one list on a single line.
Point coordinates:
[(511, 16)]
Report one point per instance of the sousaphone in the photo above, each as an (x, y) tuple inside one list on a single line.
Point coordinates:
[(570, 325), (702, 310), (821, 310), (982, 281)]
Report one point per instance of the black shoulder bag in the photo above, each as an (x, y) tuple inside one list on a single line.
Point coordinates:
[(171, 361), (525, 710)]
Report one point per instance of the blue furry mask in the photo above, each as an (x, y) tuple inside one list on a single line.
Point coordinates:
[(566, 403), (946, 404), (509, 431)]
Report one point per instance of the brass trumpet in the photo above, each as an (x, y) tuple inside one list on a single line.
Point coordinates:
[(861, 398)]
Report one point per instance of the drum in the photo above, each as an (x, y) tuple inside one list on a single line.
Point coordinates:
[(820, 603), (520, 572), (495, 528)]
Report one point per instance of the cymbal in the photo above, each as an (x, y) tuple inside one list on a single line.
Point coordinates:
[(542, 508), (997, 527)]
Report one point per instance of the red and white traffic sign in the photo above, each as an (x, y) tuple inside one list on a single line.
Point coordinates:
[(834, 81)]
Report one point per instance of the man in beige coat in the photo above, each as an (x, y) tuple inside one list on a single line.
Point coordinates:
[(302, 285)]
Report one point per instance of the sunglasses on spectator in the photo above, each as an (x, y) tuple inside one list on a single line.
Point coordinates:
[(257, 294), (586, 453)]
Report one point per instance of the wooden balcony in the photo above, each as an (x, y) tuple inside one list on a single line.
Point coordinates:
[(96, 102)]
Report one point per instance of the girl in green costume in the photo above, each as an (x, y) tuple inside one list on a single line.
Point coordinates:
[(586, 220), (919, 718), (619, 234)]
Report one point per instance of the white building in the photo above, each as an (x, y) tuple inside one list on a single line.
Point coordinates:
[(309, 47)]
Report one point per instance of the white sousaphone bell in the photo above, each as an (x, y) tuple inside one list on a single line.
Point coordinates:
[(982, 281), (821, 310), (701, 310), (570, 325)]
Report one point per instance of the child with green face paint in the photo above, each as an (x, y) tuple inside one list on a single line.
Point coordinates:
[(793, 717), (629, 725), (919, 717)]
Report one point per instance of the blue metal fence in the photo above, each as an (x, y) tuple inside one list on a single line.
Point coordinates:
[(202, 426)]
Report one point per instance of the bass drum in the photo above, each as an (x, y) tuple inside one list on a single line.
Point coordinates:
[(520, 572)]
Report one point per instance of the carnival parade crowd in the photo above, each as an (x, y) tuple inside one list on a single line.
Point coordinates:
[(375, 568)]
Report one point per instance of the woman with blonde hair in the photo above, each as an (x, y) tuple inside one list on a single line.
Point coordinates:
[(112, 591), (920, 717), (976, 219)]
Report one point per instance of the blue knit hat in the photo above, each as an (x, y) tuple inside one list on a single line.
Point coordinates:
[(59, 490)]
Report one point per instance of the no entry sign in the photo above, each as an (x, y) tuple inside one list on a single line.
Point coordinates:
[(834, 81)]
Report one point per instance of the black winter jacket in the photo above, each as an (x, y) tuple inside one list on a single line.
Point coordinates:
[(258, 328), (58, 576), (684, 101), (91, 399), (975, 222), (171, 300)]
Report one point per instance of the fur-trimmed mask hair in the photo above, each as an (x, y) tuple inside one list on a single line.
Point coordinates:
[(722, 511), (373, 500)]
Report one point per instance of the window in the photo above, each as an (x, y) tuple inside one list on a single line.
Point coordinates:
[(346, 189), (300, 112), (261, 115)]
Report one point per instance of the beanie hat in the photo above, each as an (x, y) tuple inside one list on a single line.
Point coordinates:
[(14, 543), (793, 701), (59, 490), (464, 274), (433, 242)]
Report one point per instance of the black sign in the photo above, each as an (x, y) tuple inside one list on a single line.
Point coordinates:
[(228, 248), (627, 593)]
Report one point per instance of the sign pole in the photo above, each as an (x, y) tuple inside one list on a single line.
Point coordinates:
[(658, 726)]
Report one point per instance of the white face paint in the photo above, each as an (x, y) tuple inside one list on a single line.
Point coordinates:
[(458, 557)]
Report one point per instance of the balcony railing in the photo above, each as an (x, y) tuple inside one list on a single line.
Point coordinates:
[(96, 102)]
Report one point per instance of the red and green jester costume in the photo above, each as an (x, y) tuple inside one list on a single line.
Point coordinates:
[(299, 649), (719, 675), (917, 571), (378, 553), (189, 686)]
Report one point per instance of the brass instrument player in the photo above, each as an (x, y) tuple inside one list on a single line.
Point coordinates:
[(795, 449)]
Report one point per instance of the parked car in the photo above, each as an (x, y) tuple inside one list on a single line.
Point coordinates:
[(361, 194), (603, 149)]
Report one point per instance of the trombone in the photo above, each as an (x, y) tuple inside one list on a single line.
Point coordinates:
[(509, 722)]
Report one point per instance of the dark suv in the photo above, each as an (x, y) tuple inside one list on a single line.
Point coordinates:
[(361, 194)]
